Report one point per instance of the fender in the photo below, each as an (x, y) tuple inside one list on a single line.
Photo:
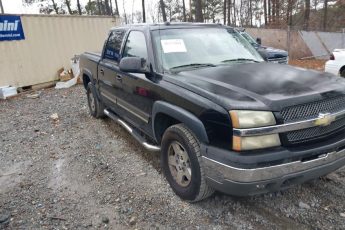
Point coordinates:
[(89, 74), (182, 115)]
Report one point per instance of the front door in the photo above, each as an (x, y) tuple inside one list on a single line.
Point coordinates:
[(137, 95)]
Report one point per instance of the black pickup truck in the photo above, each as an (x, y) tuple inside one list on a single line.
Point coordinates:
[(221, 117)]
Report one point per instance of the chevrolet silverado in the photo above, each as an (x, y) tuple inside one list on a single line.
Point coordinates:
[(222, 118)]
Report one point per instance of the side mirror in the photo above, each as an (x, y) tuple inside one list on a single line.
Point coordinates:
[(258, 40), (133, 65)]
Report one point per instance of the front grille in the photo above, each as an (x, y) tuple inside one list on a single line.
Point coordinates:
[(278, 60), (310, 111), (314, 133)]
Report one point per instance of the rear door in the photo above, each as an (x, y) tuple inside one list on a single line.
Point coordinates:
[(108, 69)]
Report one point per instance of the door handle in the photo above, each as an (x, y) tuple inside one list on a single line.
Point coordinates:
[(102, 71), (118, 77)]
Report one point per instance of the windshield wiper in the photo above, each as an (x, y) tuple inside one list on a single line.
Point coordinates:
[(194, 65), (239, 59)]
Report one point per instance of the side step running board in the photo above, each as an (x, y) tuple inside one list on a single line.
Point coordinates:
[(132, 131)]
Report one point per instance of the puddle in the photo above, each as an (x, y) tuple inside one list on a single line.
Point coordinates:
[(58, 177), (11, 175), (63, 178)]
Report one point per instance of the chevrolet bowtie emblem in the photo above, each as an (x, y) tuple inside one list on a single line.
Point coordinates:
[(324, 119)]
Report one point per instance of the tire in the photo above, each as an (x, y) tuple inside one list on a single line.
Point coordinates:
[(180, 155), (96, 107), (342, 72)]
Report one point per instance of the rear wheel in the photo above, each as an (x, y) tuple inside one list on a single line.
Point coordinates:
[(96, 107), (180, 160)]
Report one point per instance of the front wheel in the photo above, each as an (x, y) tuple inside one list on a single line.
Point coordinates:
[(180, 160)]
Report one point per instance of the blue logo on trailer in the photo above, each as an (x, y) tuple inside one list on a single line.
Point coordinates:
[(11, 28)]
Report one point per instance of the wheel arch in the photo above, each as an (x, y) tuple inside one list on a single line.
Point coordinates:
[(342, 69), (168, 114), (87, 77)]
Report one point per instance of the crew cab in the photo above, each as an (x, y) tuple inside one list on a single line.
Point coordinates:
[(336, 63), (221, 117)]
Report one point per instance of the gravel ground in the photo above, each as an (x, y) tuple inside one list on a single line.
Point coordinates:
[(76, 172)]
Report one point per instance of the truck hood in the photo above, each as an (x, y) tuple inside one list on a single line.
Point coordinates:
[(273, 52), (261, 86)]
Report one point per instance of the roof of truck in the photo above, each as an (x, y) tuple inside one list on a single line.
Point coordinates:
[(154, 26)]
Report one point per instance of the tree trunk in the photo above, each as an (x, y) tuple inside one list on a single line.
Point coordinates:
[(144, 14), (1, 8), (241, 15), (89, 10), (325, 8), (124, 11), (107, 7), (198, 11), (103, 10), (250, 13), (99, 8), (68, 4), (234, 8), (117, 9), (111, 8), (190, 11), (184, 10), (273, 11), (224, 11), (269, 11), (55, 7), (79, 7), (229, 12), (306, 15), (277, 19), (289, 13), (265, 12), (162, 5)]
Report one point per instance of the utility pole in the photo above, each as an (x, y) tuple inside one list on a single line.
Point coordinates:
[(1, 8)]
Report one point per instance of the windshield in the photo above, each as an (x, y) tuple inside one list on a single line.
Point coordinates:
[(201, 47), (248, 38)]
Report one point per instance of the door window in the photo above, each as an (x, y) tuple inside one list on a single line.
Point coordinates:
[(136, 45), (113, 47)]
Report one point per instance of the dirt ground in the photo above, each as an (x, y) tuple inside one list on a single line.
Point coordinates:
[(72, 171), (315, 64)]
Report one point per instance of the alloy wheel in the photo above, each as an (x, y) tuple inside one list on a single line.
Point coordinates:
[(179, 164)]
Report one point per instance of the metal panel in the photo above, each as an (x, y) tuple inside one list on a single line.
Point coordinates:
[(50, 42), (313, 42), (332, 40)]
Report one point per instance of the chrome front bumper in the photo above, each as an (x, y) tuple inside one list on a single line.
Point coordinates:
[(220, 172)]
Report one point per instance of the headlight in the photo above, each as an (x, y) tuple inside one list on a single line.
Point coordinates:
[(255, 142), (251, 119), (243, 119)]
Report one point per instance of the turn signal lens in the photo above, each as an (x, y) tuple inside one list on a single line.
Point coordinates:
[(255, 142)]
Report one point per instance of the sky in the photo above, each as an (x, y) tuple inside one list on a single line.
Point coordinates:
[(16, 6)]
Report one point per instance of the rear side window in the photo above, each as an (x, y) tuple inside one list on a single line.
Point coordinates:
[(113, 47), (135, 45)]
